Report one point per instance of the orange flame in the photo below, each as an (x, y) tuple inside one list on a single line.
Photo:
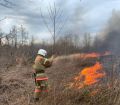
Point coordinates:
[(88, 76), (95, 55), (92, 55)]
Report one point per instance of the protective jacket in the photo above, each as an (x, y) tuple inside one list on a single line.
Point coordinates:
[(41, 63)]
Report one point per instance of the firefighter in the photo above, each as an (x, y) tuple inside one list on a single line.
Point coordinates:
[(40, 64)]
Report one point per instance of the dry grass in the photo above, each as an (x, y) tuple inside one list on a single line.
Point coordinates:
[(17, 86)]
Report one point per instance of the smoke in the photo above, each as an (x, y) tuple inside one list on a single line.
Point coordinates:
[(111, 36)]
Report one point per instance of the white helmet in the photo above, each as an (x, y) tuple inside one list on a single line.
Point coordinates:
[(42, 52)]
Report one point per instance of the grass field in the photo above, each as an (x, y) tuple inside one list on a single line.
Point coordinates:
[(17, 84)]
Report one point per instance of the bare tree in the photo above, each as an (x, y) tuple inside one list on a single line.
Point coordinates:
[(24, 35), (55, 23), (14, 36), (87, 42), (1, 36), (66, 44), (32, 41)]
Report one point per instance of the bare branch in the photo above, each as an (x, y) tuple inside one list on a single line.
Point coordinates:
[(49, 12), (45, 22), (62, 26), (7, 4)]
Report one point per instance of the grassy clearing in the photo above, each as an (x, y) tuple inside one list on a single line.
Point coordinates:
[(17, 86)]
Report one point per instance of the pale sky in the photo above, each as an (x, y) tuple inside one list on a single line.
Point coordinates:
[(80, 15)]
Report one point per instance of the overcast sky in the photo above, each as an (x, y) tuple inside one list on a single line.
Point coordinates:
[(79, 15)]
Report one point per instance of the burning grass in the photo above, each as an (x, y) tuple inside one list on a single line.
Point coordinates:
[(88, 76)]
